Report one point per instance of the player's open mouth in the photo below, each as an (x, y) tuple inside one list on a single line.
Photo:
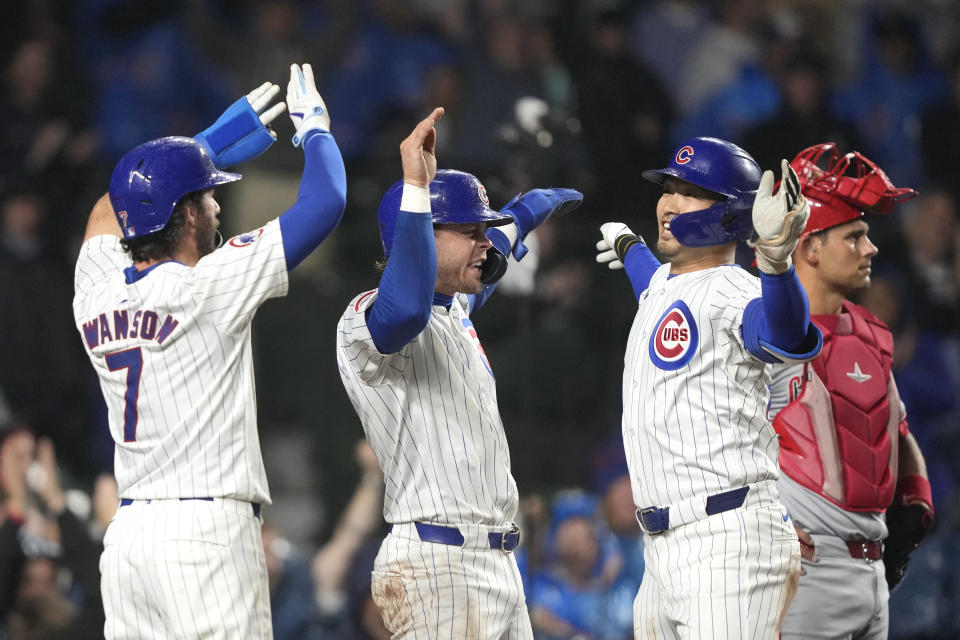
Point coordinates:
[(478, 265), (665, 225)]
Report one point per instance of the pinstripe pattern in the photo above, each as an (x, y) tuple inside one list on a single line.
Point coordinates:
[(430, 591), (196, 429), (702, 428), (430, 414), (183, 568), (728, 576), (694, 427)]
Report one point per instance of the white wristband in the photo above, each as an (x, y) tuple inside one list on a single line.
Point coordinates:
[(415, 199)]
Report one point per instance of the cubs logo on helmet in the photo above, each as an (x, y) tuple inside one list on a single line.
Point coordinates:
[(684, 155), (675, 339)]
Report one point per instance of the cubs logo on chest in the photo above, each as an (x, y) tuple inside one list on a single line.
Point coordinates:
[(675, 339)]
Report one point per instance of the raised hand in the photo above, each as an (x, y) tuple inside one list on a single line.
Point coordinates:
[(47, 478), (260, 98), (307, 109), (418, 151), (779, 220), (243, 131)]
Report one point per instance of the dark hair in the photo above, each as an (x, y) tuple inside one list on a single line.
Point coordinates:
[(164, 243)]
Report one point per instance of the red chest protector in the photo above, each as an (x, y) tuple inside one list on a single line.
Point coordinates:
[(840, 435)]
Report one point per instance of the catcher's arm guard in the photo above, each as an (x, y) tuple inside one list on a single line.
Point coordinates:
[(908, 522)]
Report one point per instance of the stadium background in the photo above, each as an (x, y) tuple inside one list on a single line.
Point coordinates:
[(582, 93)]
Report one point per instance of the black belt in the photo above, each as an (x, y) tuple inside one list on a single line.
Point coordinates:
[(256, 505), (655, 520)]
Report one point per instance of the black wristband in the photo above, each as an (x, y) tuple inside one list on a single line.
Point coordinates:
[(623, 244)]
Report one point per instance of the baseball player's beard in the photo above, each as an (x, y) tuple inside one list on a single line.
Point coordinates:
[(669, 248), (455, 277), (207, 233), (462, 284)]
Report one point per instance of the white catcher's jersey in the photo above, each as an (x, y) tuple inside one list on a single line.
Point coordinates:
[(694, 399), (171, 346), (430, 414)]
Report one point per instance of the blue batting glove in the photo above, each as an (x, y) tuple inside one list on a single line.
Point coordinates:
[(243, 132), (531, 209)]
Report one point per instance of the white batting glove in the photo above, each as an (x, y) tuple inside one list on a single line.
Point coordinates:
[(778, 220), (307, 109), (607, 246)]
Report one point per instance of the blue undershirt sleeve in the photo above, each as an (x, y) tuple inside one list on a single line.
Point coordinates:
[(405, 296), (320, 201), (640, 265), (776, 326)]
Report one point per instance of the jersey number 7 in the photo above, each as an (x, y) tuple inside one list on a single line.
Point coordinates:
[(132, 361)]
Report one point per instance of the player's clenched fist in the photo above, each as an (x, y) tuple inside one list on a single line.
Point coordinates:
[(307, 109), (417, 151)]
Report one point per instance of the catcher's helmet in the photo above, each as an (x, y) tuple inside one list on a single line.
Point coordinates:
[(149, 180), (728, 171), (455, 197), (845, 188)]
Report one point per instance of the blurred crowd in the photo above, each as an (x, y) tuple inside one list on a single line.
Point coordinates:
[(582, 93)]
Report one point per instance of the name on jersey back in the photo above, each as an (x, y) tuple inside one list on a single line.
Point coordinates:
[(144, 324)]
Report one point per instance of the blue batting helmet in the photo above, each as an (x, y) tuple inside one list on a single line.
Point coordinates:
[(455, 197), (728, 171), (149, 180)]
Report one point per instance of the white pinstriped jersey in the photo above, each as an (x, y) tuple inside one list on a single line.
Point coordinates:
[(430, 413), (694, 399), (172, 351)]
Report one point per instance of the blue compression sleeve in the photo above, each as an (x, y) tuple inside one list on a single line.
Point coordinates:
[(776, 326), (405, 296), (640, 265), (320, 201)]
